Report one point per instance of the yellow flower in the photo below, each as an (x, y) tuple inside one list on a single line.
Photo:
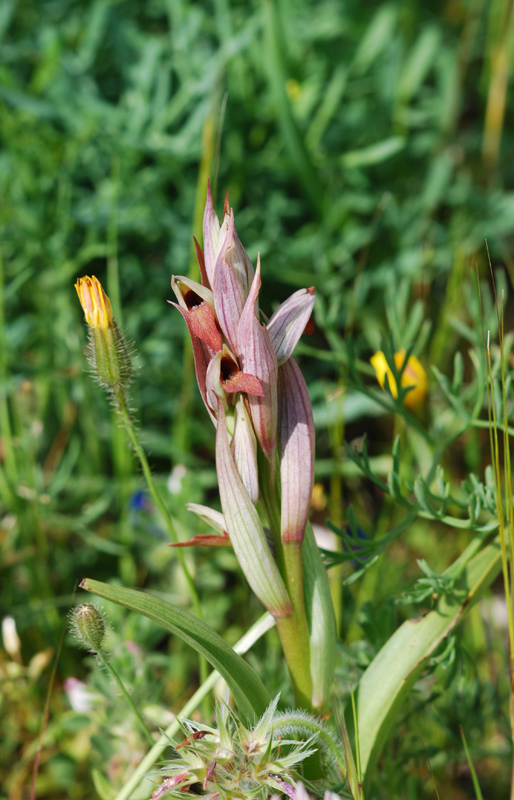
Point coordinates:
[(94, 301), (107, 350), (413, 375)]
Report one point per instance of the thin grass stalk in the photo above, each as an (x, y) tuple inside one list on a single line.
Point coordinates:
[(357, 744), (500, 57), (10, 476), (501, 519), (474, 778), (180, 429), (156, 496)]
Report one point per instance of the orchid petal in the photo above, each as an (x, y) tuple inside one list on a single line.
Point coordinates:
[(197, 300), (228, 291), (238, 259), (213, 518), (205, 540), (182, 285), (202, 356), (289, 321), (257, 357), (244, 449), (201, 263), (296, 448), (214, 390), (214, 235), (224, 377), (245, 529)]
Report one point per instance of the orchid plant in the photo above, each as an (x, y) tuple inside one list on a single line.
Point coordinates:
[(256, 397)]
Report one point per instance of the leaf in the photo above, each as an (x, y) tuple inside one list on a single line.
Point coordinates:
[(249, 692), (103, 788), (374, 154), (394, 670)]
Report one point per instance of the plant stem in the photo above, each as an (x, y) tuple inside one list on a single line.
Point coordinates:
[(294, 637), (293, 630), (11, 469), (159, 502), (106, 663), (293, 575)]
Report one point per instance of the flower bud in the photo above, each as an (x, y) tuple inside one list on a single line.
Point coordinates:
[(108, 350), (88, 624)]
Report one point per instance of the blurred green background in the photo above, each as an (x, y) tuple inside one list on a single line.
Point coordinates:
[(367, 148)]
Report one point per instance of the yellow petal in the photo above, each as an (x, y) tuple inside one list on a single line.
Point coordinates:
[(94, 301)]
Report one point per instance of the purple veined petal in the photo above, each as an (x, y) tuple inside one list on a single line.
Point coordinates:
[(246, 531), (296, 450), (214, 235), (228, 291), (289, 321), (211, 232), (258, 358), (238, 258), (244, 449)]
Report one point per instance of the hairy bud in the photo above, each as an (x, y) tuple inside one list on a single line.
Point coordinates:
[(88, 624)]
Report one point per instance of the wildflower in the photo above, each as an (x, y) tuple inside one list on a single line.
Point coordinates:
[(82, 698), (256, 396), (413, 375), (94, 301), (246, 368), (108, 352), (232, 761)]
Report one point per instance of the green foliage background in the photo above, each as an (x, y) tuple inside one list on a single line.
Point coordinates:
[(366, 153)]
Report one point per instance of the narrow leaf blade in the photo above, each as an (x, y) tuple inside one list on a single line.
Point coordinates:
[(247, 688), (394, 670)]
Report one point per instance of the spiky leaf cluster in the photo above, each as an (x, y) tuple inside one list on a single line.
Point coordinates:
[(230, 762)]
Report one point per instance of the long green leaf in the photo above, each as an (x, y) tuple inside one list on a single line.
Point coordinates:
[(247, 688), (393, 671)]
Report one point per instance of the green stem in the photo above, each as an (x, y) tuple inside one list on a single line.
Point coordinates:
[(106, 663), (294, 637), (293, 574), (159, 502), (293, 630)]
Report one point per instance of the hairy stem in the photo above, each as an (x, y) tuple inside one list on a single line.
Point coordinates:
[(106, 663), (159, 502)]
